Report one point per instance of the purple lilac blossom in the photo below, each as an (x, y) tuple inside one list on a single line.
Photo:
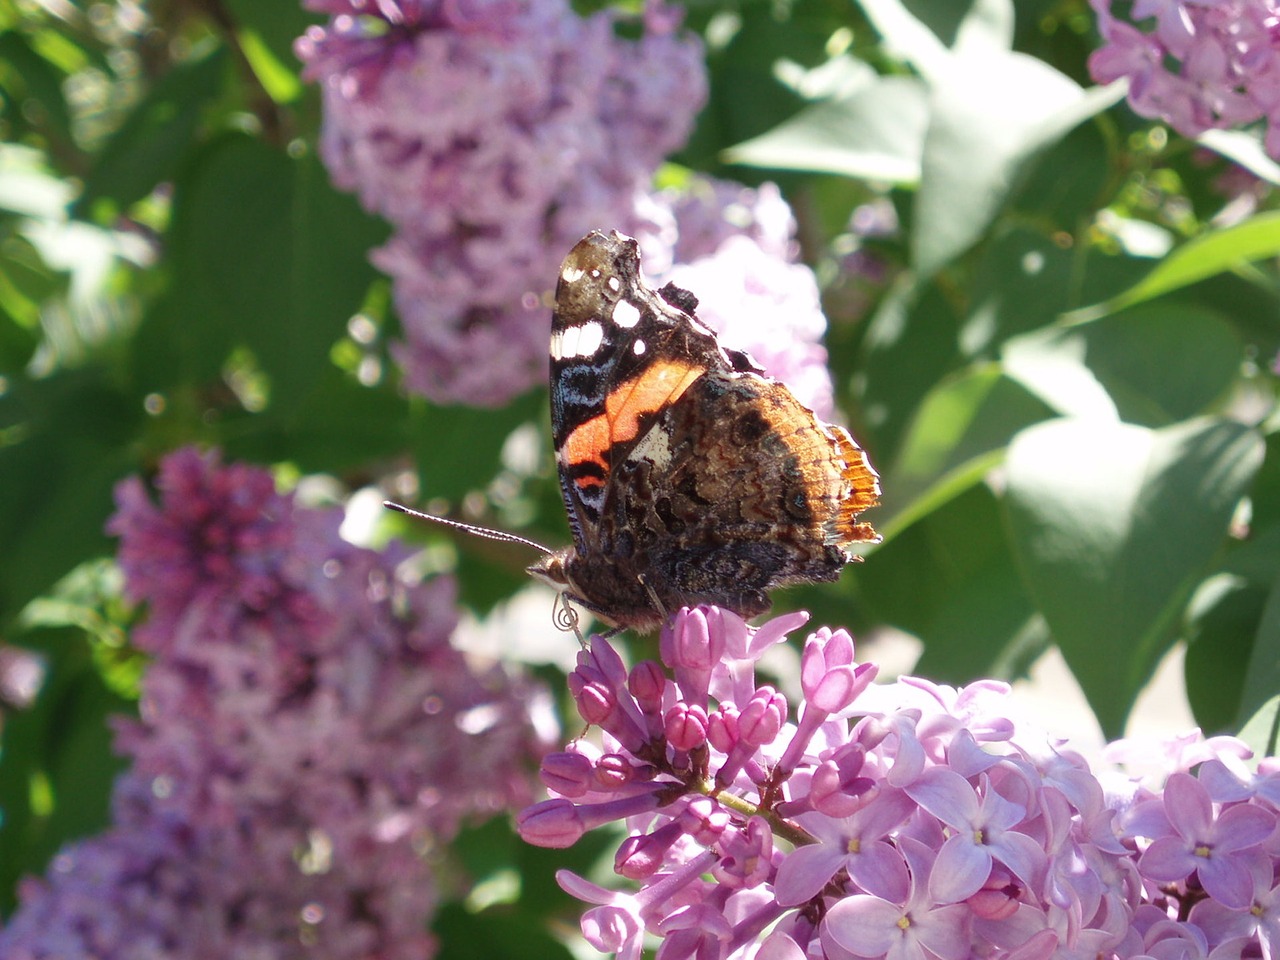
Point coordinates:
[(1196, 64), (308, 741), (907, 821), (22, 673), (493, 134)]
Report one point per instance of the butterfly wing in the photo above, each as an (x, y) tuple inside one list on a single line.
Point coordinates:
[(621, 355)]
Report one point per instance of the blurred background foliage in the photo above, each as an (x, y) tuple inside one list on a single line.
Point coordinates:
[(1060, 351)]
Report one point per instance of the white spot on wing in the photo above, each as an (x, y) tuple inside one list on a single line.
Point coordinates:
[(638, 348), (654, 446), (591, 335), (580, 341), (615, 284), (571, 274), (626, 314)]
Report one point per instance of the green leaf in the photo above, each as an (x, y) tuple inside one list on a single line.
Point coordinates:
[(986, 27), (59, 747), (1059, 191), (275, 26), (1153, 365), (1112, 525), (283, 267), (1052, 365), (744, 49), (156, 135), (74, 440), (958, 434), (35, 79), (1162, 363), (1208, 254), (950, 580), (904, 37), (281, 83), (1265, 496), (1022, 281), (1222, 623), (910, 344), (495, 933), (27, 186), (1262, 730), (989, 116), (876, 133), (1245, 148), (342, 427), (1262, 675), (457, 449)]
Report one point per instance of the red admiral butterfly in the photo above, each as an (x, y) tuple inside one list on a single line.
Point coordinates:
[(688, 475)]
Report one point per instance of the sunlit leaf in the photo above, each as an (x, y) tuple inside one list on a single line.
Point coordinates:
[(1211, 253), (876, 133), (1262, 675), (1113, 524), (957, 436)]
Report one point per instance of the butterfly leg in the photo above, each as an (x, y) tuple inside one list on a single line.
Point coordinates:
[(653, 596)]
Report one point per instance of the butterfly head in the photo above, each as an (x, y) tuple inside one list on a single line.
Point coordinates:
[(552, 568)]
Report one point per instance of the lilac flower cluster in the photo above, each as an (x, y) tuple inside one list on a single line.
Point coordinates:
[(307, 742), (1196, 64), (909, 821), (493, 134)]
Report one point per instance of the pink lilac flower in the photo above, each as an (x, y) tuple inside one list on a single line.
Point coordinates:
[(917, 928), (493, 134), (22, 673), (908, 820), (981, 822), (224, 534), (854, 844), (1215, 846), (1196, 65), (306, 736), (685, 223)]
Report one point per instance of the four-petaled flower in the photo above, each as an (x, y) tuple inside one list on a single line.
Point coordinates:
[(1214, 847), (982, 823), (916, 928)]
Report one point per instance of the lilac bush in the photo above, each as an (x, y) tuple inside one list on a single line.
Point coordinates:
[(493, 135), (1196, 64), (906, 820), (308, 741)]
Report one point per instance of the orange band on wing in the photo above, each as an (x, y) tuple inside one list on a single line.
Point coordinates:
[(659, 385)]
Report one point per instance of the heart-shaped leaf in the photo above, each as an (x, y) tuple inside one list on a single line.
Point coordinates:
[(1112, 525)]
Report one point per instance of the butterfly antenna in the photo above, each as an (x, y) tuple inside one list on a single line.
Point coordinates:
[(475, 531)]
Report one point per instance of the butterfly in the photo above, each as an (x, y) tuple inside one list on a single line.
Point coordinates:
[(688, 475)]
